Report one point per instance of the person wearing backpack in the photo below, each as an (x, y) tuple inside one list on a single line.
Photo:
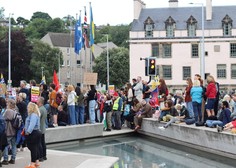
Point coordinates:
[(9, 116)]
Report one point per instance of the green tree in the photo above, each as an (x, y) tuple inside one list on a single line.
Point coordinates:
[(20, 56), (43, 55), (22, 21), (56, 25), (118, 66), (40, 15), (36, 29), (2, 12)]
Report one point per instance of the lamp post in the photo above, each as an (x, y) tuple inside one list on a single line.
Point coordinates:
[(42, 71), (202, 58), (108, 76), (9, 51)]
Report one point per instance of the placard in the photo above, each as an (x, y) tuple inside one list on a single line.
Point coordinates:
[(90, 78), (111, 89), (34, 93), (3, 90)]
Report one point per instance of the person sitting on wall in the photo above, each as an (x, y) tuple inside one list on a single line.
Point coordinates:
[(166, 110), (146, 112), (62, 116)]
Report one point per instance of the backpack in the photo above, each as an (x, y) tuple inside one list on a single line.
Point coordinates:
[(17, 121), (58, 98)]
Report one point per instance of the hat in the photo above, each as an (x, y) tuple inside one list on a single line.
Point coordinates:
[(115, 94)]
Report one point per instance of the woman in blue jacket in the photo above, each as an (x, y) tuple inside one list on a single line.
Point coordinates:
[(196, 95), (33, 134)]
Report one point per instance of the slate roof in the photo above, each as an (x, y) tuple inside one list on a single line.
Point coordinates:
[(181, 15), (61, 39)]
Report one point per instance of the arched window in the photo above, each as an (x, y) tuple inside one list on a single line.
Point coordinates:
[(227, 23), (191, 26), (170, 27), (148, 27)]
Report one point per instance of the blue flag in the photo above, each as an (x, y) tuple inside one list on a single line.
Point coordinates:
[(78, 36)]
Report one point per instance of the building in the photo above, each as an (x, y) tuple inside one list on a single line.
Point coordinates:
[(173, 35), (74, 66)]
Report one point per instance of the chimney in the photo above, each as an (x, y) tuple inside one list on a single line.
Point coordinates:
[(138, 6), (173, 3), (208, 9)]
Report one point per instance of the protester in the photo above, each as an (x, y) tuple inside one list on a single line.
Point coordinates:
[(62, 119), (3, 137), (211, 96), (53, 104), (138, 89), (166, 110), (92, 97), (108, 110), (71, 105), (117, 107), (163, 92), (147, 92), (80, 104), (129, 94), (33, 134), (187, 98)]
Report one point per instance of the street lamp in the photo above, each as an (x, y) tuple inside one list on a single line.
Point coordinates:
[(108, 76), (9, 51), (202, 58), (42, 71)]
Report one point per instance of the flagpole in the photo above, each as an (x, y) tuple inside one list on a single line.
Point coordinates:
[(76, 55), (85, 42), (70, 50)]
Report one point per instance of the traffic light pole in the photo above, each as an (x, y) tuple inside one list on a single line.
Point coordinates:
[(150, 78)]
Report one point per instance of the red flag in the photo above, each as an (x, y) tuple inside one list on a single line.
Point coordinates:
[(55, 80)]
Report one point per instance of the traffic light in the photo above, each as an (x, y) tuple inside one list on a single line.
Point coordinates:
[(151, 66)]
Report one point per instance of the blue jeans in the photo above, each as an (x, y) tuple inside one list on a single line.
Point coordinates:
[(72, 115), (163, 113), (81, 114), (11, 141), (197, 109), (190, 109), (214, 123), (76, 114), (92, 111)]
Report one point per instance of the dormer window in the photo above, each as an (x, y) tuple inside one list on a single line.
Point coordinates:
[(227, 26), (170, 27), (191, 26), (148, 27)]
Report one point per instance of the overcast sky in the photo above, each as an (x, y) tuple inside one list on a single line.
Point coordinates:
[(113, 12)]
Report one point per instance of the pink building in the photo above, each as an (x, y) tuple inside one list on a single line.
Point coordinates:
[(173, 35)]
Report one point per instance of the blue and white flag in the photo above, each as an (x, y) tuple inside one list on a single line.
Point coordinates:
[(78, 36)]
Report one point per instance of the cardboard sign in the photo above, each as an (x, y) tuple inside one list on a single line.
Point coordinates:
[(34, 93), (90, 78), (3, 90), (111, 89)]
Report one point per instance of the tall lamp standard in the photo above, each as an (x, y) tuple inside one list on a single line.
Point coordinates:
[(9, 51), (42, 71), (108, 76), (202, 58)]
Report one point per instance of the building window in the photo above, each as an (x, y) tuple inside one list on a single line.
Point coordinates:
[(78, 62), (155, 50), (221, 71), (233, 50), (148, 27), (233, 71), (191, 26), (170, 26), (167, 71), (68, 62), (68, 74), (63, 63), (227, 26), (186, 72), (166, 50), (195, 50)]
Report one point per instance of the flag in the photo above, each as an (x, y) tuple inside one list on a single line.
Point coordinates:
[(55, 80), (78, 36), (154, 97), (2, 79), (43, 81), (92, 27), (85, 28)]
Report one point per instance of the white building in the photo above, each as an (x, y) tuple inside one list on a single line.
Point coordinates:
[(173, 35)]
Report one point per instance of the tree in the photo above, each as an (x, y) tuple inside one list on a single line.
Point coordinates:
[(43, 55), (22, 21), (40, 15), (20, 56), (36, 29), (2, 12), (118, 66), (56, 25)]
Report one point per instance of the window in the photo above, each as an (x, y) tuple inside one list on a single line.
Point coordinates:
[(68, 62), (227, 25), (233, 50), (167, 71), (63, 63), (78, 62), (148, 27), (195, 50), (221, 70), (155, 50), (68, 74), (186, 72), (191, 26), (170, 25), (166, 50), (233, 71)]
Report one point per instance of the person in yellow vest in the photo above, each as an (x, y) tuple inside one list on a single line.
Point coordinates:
[(117, 107)]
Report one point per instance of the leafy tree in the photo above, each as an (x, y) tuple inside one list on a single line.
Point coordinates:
[(20, 56), (22, 21), (118, 66), (43, 55), (56, 25), (36, 29), (69, 20), (40, 15), (2, 12)]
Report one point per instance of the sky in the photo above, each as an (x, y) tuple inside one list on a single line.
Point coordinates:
[(113, 12)]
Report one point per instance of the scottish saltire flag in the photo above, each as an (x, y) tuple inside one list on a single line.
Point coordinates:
[(78, 36), (2, 79), (92, 29)]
